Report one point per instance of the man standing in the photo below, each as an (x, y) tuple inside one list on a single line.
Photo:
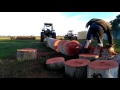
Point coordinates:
[(96, 30)]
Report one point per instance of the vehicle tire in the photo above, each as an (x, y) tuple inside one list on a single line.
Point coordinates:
[(69, 37), (75, 38), (54, 35), (65, 37), (42, 36)]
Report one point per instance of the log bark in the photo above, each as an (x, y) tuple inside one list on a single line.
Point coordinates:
[(26, 54), (52, 43), (91, 49), (117, 59), (105, 53), (103, 69), (97, 50), (56, 63), (76, 68), (91, 57)]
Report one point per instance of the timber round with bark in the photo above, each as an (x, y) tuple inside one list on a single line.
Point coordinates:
[(103, 69), (52, 43), (69, 48), (76, 68), (26, 54), (90, 57), (56, 63), (117, 59)]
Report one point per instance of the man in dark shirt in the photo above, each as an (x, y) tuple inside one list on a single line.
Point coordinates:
[(96, 30)]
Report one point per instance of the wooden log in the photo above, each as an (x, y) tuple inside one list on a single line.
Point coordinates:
[(76, 41), (105, 53), (56, 45), (97, 50), (76, 68), (103, 69), (117, 59), (69, 48), (56, 63), (90, 57), (26, 54), (91, 49), (52, 43)]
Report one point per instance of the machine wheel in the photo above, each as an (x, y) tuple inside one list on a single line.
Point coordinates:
[(76, 38), (54, 35), (42, 36)]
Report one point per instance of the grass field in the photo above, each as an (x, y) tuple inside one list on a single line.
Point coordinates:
[(13, 37), (11, 68)]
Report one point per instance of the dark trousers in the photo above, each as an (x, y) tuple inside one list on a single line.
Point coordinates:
[(97, 31)]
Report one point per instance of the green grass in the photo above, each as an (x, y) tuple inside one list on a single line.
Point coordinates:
[(11, 68), (8, 48)]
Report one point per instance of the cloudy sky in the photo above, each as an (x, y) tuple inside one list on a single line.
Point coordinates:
[(31, 23)]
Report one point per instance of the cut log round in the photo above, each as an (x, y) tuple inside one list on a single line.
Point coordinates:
[(76, 41), (103, 69), (117, 59), (90, 57), (56, 63), (76, 68), (91, 49), (26, 54), (69, 48), (105, 53)]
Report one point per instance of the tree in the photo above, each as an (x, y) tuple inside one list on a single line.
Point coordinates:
[(116, 24)]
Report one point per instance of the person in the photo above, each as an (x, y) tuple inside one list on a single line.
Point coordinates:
[(96, 31)]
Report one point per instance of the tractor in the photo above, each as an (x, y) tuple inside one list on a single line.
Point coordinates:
[(48, 31), (70, 35)]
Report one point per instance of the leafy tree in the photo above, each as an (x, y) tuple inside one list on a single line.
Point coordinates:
[(116, 25)]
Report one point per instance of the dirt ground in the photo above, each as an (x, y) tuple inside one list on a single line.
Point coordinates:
[(43, 72)]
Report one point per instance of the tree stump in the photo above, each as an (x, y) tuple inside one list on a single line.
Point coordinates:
[(103, 69), (76, 68), (117, 59), (91, 49), (90, 57), (56, 63), (26, 54), (97, 50)]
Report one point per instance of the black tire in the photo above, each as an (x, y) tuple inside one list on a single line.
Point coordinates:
[(69, 37), (42, 36), (54, 35), (76, 38)]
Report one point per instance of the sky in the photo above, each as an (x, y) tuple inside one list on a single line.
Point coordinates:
[(31, 23)]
